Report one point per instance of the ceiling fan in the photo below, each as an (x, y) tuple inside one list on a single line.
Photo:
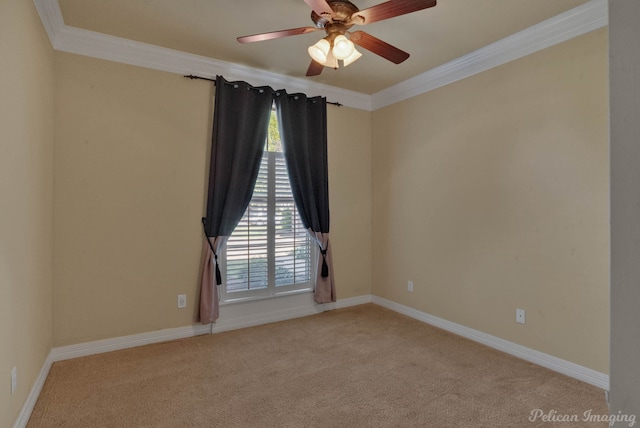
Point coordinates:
[(336, 17)]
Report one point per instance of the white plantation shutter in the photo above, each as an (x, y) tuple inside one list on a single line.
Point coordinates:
[(269, 252), (247, 248), (292, 243)]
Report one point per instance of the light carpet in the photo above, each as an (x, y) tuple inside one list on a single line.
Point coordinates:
[(363, 366)]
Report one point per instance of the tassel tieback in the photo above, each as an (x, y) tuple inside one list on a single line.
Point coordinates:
[(325, 267)]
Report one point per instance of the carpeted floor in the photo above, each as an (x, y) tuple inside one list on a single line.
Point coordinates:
[(363, 366)]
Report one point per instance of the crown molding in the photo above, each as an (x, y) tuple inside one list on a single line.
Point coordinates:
[(51, 17), (103, 46), (575, 22), (572, 23)]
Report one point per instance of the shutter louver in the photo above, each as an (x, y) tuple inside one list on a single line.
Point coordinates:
[(269, 251), (247, 248), (292, 246)]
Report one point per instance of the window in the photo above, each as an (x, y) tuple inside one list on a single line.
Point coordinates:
[(269, 252)]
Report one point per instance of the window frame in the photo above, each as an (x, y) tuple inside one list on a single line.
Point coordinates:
[(271, 290)]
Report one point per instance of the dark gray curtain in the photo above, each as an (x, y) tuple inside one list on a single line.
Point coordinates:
[(303, 130), (240, 123)]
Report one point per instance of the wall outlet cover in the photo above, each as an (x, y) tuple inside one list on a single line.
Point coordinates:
[(182, 300)]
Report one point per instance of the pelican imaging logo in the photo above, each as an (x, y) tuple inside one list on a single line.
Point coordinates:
[(553, 416)]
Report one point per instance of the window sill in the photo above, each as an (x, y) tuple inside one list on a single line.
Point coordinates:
[(267, 297)]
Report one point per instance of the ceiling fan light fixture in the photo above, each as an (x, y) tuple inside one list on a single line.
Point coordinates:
[(332, 61), (336, 17), (351, 58), (342, 47), (320, 51)]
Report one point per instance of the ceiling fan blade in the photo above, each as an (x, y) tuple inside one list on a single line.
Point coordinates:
[(314, 69), (321, 7), (277, 34), (390, 9), (378, 47)]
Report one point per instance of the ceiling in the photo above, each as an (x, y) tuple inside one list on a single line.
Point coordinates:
[(209, 28)]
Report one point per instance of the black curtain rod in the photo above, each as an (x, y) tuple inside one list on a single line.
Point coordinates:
[(191, 76)]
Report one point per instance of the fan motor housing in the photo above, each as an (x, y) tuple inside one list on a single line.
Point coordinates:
[(342, 12)]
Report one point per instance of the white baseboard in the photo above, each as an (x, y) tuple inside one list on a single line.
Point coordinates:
[(559, 365), (274, 310), (250, 314), (345, 303), (262, 312), (29, 404), (107, 345)]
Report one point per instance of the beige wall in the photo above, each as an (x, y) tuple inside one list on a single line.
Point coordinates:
[(349, 141), (491, 194), (131, 155), (26, 171), (130, 158)]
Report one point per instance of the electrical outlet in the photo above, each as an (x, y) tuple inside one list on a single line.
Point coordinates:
[(410, 286), (520, 316), (182, 300), (14, 379)]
